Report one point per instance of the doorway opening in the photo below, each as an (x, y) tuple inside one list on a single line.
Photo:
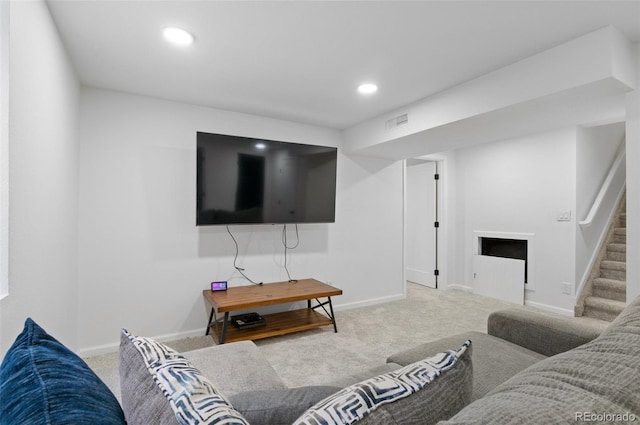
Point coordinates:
[(421, 222)]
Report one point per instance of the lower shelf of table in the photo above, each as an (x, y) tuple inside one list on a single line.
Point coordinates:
[(276, 324)]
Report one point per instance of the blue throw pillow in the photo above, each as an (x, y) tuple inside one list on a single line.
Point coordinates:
[(43, 382)]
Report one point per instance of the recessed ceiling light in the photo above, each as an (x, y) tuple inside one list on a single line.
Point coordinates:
[(178, 36), (367, 88), (260, 146)]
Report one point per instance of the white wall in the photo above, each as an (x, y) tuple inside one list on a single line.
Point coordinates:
[(519, 186), (633, 185), (4, 152), (4, 155), (596, 150), (43, 179), (142, 261)]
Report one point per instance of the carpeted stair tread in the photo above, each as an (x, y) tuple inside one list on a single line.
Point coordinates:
[(617, 252), (605, 304), (620, 235), (602, 308), (617, 247), (616, 256), (613, 270), (606, 294), (614, 265), (592, 321), (610, 288)]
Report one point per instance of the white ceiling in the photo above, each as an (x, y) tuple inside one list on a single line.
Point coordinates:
[(302, 60)]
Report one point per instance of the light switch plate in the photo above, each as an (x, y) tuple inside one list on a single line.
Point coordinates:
[(564, 215)]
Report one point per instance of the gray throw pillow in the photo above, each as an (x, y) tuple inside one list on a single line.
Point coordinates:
[(142, 401), (423, 392), (191, 396)]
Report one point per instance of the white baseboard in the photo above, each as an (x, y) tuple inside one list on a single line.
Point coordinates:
[(545, 307), (550, 308), (114, 347), (457, 287), (370, 302)]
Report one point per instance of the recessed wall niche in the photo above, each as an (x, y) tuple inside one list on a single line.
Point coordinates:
[(520, 246)]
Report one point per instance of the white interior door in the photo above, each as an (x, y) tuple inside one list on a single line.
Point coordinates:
[(497, 277), (420, 214)]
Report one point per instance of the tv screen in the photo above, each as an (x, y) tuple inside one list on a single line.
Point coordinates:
[(243, 180)]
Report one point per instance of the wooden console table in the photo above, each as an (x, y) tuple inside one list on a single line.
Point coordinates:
[(248, 297)]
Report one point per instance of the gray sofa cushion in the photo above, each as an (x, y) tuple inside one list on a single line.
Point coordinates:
[(354, 378), (601, 377), (544, 333), (440, 398), (236, 367), (279, 407), (489, 352)]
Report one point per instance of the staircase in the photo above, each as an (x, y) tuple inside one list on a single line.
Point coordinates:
[(606, 294)]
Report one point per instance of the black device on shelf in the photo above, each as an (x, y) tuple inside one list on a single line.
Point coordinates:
[(219, 286), (248, 320)]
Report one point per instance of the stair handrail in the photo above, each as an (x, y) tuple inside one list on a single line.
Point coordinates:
[(597, 203)]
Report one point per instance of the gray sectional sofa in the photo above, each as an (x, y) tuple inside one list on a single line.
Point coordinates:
[(529, 368)]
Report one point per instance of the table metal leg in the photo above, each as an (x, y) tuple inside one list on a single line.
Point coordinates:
[(329, 313), (333, 317), (225, 322), (213, 312)]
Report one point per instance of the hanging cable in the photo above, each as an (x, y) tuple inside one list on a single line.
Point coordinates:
[(235, 259), (287, 247)]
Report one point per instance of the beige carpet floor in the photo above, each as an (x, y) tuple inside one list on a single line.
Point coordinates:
[(366, 337)]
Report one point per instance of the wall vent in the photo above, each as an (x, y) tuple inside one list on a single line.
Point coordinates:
[(397, 121)]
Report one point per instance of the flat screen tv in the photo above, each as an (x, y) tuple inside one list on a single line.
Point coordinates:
[(243, 180)]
